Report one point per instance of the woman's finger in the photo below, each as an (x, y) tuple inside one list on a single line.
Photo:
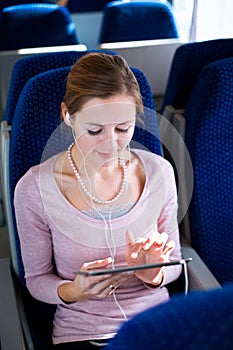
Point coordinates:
[(109, 286), (133, 247), (129, 238), (96, 264), (156, 240), (151, 240), (169, 248), (162, 239)]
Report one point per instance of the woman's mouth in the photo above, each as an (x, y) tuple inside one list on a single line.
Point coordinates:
[(107, 155)]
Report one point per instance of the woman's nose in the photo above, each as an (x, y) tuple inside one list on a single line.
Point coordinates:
[(111, 135), (110, 141)]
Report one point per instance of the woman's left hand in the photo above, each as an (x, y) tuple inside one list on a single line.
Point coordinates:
[(155, 249)]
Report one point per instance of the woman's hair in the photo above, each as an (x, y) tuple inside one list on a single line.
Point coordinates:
[(99, 75)]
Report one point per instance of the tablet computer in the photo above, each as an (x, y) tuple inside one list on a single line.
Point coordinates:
[(99, 272)]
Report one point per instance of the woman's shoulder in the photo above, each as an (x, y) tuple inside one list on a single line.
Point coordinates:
[(151, 159), (31, 177)]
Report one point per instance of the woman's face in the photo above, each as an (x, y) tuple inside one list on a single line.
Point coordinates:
[(104, 127)]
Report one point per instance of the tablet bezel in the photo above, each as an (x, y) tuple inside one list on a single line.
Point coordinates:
[(100, 272)]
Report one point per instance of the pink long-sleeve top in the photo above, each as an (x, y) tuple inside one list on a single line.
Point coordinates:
[(49, 226)]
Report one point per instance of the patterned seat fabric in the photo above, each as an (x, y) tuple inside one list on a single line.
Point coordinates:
[(129, 21), (209, 139), (188, 61), (202, 320), (36, 25)]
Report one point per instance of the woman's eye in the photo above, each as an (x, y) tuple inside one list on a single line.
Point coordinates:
[(94, 132), (97, 132), (122, 130)]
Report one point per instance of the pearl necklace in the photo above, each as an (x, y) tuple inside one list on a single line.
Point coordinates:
[(85, 190)]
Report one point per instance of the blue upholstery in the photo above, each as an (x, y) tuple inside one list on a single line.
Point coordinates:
[(37, 115), (36, 25), (7, 3), (129, 21), (30, 66), (188, 61), (201, 321), (209, 139)]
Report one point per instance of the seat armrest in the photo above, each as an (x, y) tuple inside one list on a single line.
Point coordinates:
[(10, 326), (170, 111), (200, 277), (5, 180)]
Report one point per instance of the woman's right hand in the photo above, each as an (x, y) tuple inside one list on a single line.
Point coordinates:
[(86, 287)]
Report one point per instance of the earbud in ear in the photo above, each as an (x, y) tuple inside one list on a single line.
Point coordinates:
[(68, 119)]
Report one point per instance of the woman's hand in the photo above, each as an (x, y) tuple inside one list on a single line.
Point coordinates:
[(87, 287), (154, 249)]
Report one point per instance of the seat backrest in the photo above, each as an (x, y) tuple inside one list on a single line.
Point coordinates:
[(188, 61), (7, 3), (209, 139), (202, 320), (130, 21), (36, 117), (36, 25), (27, 67)]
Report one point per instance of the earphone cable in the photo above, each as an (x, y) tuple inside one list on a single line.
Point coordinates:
[(184, 263), (112, 252)]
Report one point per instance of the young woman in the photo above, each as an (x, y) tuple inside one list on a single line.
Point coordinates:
[(98, 205)]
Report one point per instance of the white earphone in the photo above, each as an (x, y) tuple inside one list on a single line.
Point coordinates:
[(68, 119)]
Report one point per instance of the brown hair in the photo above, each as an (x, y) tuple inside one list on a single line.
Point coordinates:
[(99, 75)]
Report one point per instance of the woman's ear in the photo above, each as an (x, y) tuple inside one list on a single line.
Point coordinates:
[(65, 114)]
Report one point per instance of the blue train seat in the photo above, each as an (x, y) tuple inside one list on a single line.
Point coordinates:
[(36, 25), (30, 132), (130, 21)]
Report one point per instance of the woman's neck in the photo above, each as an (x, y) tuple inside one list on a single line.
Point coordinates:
[(104, 186), (97, 170)]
